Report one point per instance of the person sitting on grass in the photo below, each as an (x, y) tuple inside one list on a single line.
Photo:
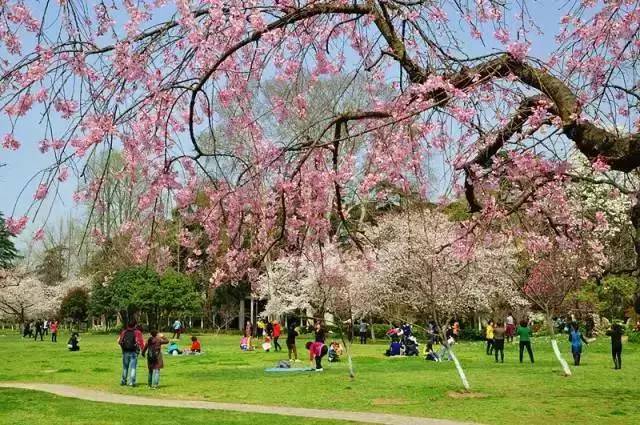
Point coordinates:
[(266, 345), (153, 351), (333, 354), (317, 350), (394, 347), (173, 349), (245, 344), (195, 345), (430, 354), (73, 342)]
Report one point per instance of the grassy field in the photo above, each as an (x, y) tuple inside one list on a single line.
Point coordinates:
[(35, 408), (510, 393)]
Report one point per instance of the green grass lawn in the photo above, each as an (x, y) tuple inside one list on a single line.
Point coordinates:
[(510, 393), (35, 408)]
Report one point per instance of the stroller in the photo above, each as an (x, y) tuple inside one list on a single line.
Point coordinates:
[(411, 346)]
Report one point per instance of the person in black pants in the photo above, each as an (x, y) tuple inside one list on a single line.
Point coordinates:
[(524, 332), (499, 333), (319, 331), (616, 333), (317, 350), (363, 332), (38, 331)]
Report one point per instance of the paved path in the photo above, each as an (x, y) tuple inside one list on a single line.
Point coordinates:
[(105, 397)]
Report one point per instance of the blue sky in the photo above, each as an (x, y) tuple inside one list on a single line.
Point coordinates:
[(27, 162)]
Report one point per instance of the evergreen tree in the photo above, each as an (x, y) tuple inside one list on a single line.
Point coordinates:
[(8, 251)]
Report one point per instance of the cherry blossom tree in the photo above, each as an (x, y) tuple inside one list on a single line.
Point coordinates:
[(561, 245), (423, 270), (23, 297), (461, 89)]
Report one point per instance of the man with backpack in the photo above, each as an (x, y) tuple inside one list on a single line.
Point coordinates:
[(131, 342)]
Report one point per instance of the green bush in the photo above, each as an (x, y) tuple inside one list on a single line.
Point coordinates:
[(380, 330), (634, 336), (471, 334)]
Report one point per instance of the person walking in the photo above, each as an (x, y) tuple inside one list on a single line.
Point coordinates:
[(616, 333), (276, 335), (177, 329), (153, 352), (38, 331), (363, 331), (131, 342), (511, 327), (489, 337), (576, 339), (498, 340), (292, 333), (524, 333), (54, 331)]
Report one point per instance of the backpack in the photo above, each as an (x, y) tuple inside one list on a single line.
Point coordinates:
[(128, 341), (283, 364), (152, 354)]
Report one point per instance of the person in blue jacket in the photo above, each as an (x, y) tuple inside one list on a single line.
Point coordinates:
[(576, 339)]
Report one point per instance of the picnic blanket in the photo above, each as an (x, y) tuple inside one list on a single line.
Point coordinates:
[(290, 369)]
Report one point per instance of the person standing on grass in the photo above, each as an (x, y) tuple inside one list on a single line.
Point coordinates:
[(320, 333), (38, 331), (489, 337), (511, 327), (177, 329), (54, 331), (277, 330), (131, 342), (363, 331), (576, 339), (524, 333), (317, 350), (292, 333), (616, 333), (261, 328), (269, 328), (153, 351), (45, 327), (498, 340)]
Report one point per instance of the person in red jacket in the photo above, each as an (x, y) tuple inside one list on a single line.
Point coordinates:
[(276, 334), (132, 342)]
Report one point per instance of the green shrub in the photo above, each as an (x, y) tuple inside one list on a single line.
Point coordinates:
[(380, 330), (634, 336), (471, 334)]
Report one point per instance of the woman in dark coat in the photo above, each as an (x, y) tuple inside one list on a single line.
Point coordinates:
[(153, 352)]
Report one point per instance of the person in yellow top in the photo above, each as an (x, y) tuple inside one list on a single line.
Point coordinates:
[(489, 337), (261, 327)]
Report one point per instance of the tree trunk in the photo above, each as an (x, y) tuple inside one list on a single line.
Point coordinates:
[(556, 349), (635, 220), (461, 374)]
